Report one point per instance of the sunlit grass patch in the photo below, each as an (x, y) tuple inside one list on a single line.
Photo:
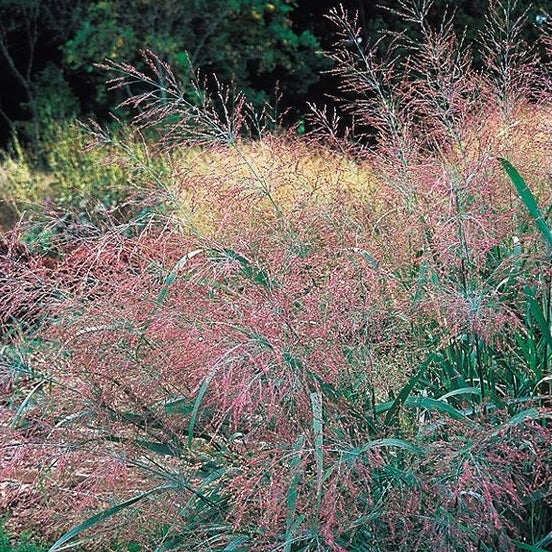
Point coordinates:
[(272, 178)]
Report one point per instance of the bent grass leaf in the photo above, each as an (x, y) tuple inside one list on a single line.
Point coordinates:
[(98, 518), (163, 449), (257, 275), (393, 408), (386, 442), (546, 540), (538, 315), (199, 399), (462, 391), (370, 259), (519, 418), (292, 362), (295, 364), (391, 443), (255, 337), (237, 544), (158, 447), (421, 281), (26, 403), (530, 547), (169, 280), (529, 200), (430, 404), (530, 413), (203, 389), (181, 405)]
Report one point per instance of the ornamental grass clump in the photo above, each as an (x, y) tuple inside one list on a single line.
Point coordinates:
[(286, 361)]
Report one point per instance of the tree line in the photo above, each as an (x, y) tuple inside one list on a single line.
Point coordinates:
[(49, 49)]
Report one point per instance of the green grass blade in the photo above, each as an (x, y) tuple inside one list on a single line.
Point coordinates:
[(237, 544), (421, 281), (258, 276), (529, 413), (519, 418), (431, 405), (169, 280), (23, 407), (98, 518), (462, 391), (546, 540), (293, 523), (199, 399), (530, 547), (256, 337), (158, 447), (180, 405), (318, 428), (367, 257), (293, 363), (528, 199), (408, 388), (538, 315), (202, 390), (391, 443)]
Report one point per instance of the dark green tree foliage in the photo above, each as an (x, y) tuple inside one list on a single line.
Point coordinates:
[(47, 45), (49, 48), (468, 17), (250, 42), (33, 88)]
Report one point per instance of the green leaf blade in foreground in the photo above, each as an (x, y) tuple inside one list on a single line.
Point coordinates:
[(536, 311), (197, 404), (392, 409), (292, 522), (203, 390), (257, 275), (318, 429), (98, 518), (530, 547), (171, 277), (391, 442), (237, 544), (528, 199), (180, 405), (435, 405)]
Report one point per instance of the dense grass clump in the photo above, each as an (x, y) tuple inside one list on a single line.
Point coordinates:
[(298, 344), (25, 544)]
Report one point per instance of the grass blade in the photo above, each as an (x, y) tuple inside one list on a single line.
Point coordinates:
[(180, 405), (391, 442), (462, 391), (23, 407), (98, 518), (528, 199), (538, 315), (318, 428), (527, 414), (530, 547), (291, 522), (430, 404), (169, 280), (202, 390), (237, 544), (367, 257), (199, 399), (408, 388), (258, 276)]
